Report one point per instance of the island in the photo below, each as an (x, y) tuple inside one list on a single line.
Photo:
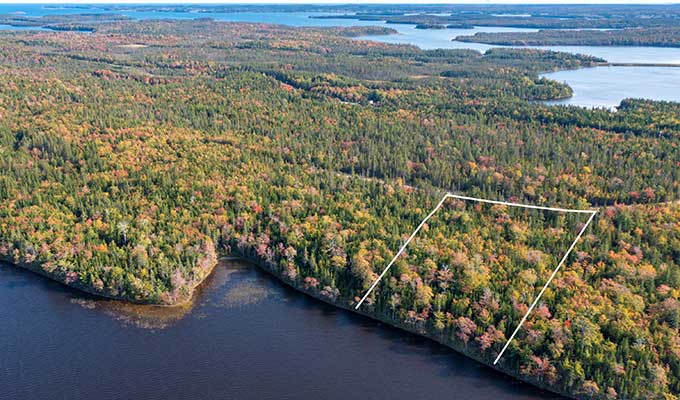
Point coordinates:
[(668, 36)]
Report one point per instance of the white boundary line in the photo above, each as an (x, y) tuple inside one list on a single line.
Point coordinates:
[(455, 196), (401, 250), (546, 285)]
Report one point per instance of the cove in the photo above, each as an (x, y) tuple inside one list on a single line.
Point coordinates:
[(607, 86), (247, 335)]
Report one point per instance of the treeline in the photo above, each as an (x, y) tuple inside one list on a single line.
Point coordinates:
[(72, 22), (661, 37), (133, 156)]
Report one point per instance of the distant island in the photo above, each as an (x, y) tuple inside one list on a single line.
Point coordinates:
[(659, 37)]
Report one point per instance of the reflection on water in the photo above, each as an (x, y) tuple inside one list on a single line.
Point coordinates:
[(246, 289), (140, 316), (246, 336)]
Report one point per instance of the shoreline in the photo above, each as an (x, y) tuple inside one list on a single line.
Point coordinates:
[(263, 266), (455, 346), (183, 302)]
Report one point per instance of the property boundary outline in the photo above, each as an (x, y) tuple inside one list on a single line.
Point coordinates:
[(547, 283)]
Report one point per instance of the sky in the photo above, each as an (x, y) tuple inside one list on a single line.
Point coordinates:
[(338, 2)]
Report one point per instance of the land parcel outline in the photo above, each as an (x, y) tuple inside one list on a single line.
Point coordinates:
[(447, 196)]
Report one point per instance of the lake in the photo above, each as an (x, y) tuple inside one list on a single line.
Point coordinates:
[(246, 337), (443, 39), (590, 86), (430, 39), (21, 28), (607, 86), (407, 33)]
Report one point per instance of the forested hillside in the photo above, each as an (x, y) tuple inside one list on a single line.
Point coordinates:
[(135, 155)]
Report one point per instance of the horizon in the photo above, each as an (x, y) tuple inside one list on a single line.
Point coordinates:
[(348, 2)]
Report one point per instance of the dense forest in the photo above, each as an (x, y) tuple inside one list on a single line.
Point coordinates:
[(661, 37), (135, 155)]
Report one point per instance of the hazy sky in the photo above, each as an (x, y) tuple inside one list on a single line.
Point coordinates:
[(341, 2)]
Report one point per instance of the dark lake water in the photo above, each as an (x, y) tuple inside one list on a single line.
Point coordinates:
[(246, 337)]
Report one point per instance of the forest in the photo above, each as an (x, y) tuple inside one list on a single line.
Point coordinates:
[(78, 22), (658, 36), (135, 155)]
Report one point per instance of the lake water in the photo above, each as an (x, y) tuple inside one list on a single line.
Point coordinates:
[(438, 38), (442, 39), (247, 337), (407, 34), (21, 28), (607, 86), (591, 87)]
